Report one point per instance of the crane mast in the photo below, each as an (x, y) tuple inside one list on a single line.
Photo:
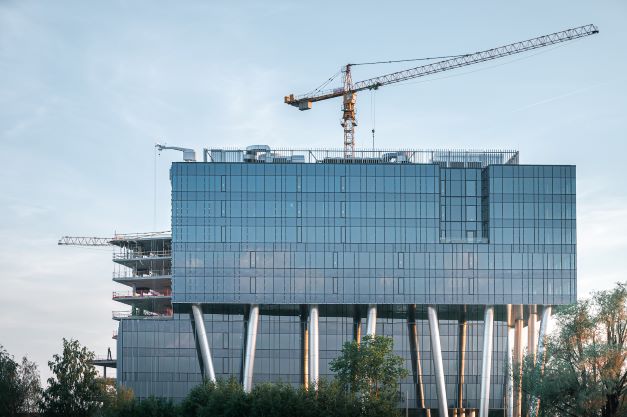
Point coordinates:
[(349, 89), (349, 119)]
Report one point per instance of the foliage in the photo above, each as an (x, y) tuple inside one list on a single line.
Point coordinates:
[(585, 372), (31, 383), (224, 398), (150, 407), (12, 392), (75, 390), (115, 398), (20, 389), (370, 368)]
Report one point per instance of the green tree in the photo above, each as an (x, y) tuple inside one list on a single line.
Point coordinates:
[(370, 369), (31, 384), (585, 370), (223, 398), (117, 400), (75, 390), (12, 392)]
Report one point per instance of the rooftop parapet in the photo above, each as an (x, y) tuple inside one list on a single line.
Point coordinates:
[(457, 158)]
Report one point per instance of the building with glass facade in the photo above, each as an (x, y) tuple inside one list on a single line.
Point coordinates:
[(277, 258)]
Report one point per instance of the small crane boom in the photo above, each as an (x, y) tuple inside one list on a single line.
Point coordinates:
[(189, 155), (349, 89), (84, 241)]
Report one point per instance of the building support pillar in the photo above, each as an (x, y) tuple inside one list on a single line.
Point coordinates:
[(251, 344), (304, 346), (532, 333), (436, 354), (534, 405), (509, 387), (314, 359), (201, 335), (414, 347), (518, 358), (486, 365), (371, 325), (357, 324), (461, 361)]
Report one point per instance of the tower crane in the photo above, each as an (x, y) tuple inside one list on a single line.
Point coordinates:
[(349, 89)]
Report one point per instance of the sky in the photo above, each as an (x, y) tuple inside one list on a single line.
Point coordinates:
[(88, 88)]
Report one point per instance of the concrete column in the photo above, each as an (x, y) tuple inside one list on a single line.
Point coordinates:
[(518, 357), (314, 358), (534, 405), (414, 348), (436, 354), (201, 335), (251, 344), (532, 333), (509, 388), (486, 365), (371, 325), (461, 362)]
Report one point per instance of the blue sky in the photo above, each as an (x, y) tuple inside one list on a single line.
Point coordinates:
[(87, 88)]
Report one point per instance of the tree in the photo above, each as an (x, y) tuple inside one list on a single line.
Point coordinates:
[(75, 390), (222, 398), (369, 369), (585, 370), (31, 384), (12, 392)]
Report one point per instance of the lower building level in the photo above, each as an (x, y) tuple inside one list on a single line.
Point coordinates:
[(457, 356)]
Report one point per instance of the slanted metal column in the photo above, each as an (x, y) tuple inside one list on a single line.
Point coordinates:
[(371, 325), (486, 365), (461, 361), (314, 359), (251, 344), (544, 324), (509, 394), (357, 324), (414, 347), (304, 340), (436, 354), (518, 357), (532, 334), (201, 334)]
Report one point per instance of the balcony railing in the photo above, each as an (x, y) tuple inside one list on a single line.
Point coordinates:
[(141, 294), (142, 255), (133, 275), (117, 315)]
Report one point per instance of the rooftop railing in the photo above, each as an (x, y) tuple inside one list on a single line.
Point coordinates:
[(448, 157)]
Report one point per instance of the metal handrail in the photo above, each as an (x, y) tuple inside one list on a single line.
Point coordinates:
[(125, 314), (141, 255), (141, 294), (153, 274), (368, 156)]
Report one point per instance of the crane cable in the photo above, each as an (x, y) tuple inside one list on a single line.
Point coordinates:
[(154, 212), (324, 84), (373, 113), (409, 60)]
